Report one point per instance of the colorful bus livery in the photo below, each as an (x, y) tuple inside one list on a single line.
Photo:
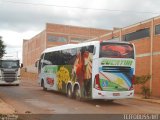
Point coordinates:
[(91, 70), (117, 62), (116, 71), (117, 76)]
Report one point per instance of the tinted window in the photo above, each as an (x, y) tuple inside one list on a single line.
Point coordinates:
[(69, 56), (40, 63), (114, 50), (9, 63), (137, 35), (157, 29), (64, 57), (52, 58), (52, 38)]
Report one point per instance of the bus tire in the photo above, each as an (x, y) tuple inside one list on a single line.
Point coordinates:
[(69, 91), (77, 93), (42, 85)]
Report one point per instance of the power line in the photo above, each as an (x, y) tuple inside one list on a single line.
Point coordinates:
[(83, 8)]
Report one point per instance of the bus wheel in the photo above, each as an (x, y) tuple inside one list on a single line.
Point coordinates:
[(77, 93), (42, 84), (69, 91)]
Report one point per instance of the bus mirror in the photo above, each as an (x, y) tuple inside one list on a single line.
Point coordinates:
[(94, 50), (21, 66), (36, 63)]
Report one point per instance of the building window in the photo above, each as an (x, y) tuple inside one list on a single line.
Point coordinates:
[(142, 33), (57, 39), (157, 29), (78, 40)]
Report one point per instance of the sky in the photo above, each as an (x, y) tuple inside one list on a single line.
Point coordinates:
[(24, 19)]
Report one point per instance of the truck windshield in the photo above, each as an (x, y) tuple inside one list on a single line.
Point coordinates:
[(9, 63), (116, 50)]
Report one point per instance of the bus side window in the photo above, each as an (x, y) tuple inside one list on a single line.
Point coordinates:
[(94, 50), (73, 54), (39, 63), (90, 48), (36, 63)]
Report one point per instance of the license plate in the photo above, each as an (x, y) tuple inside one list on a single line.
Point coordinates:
[(116, 94)]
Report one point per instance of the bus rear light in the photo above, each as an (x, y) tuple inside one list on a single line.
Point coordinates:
[(132, 82), (131, 88), (133, 79), (97, 82)]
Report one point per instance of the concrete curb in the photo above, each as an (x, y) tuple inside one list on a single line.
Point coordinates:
[(151, 100), (6, 108)]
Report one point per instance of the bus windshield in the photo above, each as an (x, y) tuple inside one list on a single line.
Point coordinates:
[(116, 50), (9, 63)]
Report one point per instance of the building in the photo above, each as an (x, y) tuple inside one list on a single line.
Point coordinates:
[(146, 37), (53, 35)]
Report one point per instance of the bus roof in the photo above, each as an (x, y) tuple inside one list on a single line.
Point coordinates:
[(116, 42), (70, 46)]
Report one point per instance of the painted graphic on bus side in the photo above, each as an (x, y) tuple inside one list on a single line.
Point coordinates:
[(78, 70)]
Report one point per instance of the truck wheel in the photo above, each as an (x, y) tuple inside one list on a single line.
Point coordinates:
[(42, 84), (69, 91)]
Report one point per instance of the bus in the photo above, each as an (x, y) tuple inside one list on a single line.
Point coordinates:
[(9, 70), (90, 70)]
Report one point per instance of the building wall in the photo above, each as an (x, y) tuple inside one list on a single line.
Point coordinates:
[(147, 52), (53, 35), (147, 48), (73, 34), (32, 49)]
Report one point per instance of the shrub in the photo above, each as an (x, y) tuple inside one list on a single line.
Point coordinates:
[(141, 80)]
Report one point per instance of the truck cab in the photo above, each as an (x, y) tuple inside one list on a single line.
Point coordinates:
[(10, 70)]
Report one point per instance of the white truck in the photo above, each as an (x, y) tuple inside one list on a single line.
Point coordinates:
[(9, 71)]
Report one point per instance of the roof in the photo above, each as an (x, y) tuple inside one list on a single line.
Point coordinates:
[(108, 41), (69, 46)]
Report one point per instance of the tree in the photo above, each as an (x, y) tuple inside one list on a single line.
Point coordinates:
[(2, 48)]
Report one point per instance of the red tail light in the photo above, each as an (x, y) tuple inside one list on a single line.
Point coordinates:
[(97, 83), (133, 79)]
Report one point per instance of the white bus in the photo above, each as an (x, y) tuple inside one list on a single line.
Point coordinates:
[(91, 70), (10, 71)]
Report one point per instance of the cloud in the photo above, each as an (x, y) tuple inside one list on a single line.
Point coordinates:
[(23, 17), (22, 21), (14, 40)]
